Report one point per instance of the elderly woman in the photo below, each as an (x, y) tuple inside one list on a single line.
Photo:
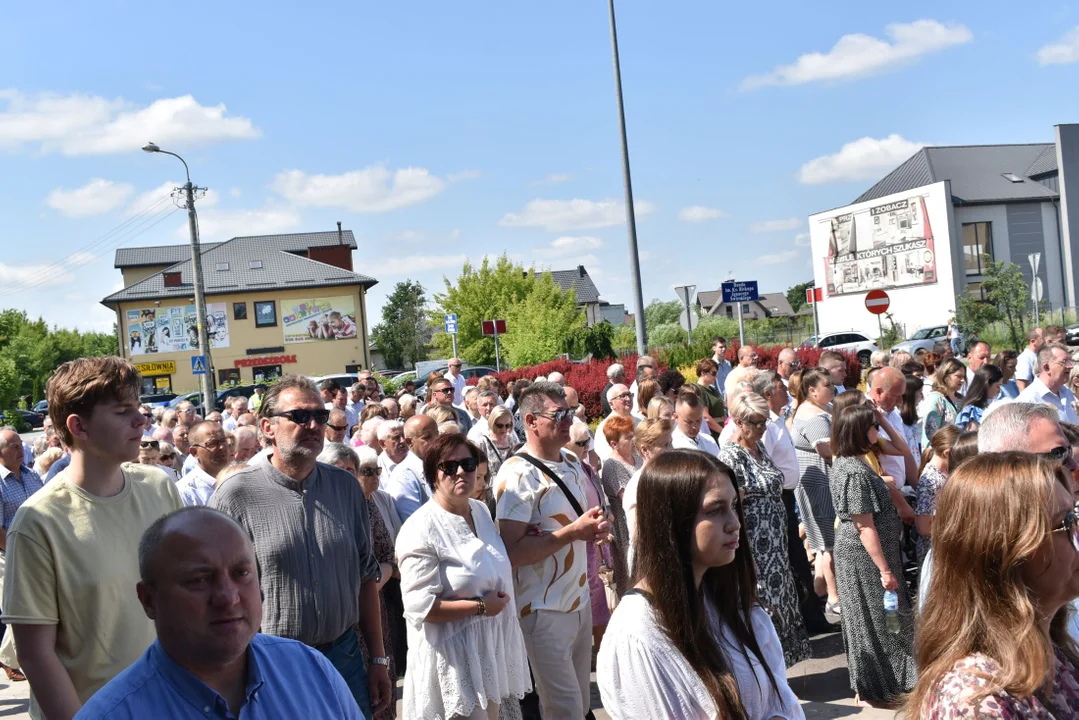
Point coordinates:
[(760, 484), (407, 406), (45, 461), (367, 433), (615, 474), (466, 652), (366, 471), (498, 441)]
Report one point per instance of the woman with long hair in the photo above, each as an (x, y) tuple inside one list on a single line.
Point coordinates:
[(983, 389), (992, 639), (931, 478), (660, 407), (646, 390), (689, 640), (908, 411), (498, 440), (811, 430), (760, 483), (868, 562), (1007, 361), (942, 404)]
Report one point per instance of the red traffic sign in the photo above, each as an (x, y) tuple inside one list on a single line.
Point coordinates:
[(877, 302), (490, 327), (814, 295)]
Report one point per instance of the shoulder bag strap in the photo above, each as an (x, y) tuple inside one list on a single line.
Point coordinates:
[(494, 448), (557, 481)]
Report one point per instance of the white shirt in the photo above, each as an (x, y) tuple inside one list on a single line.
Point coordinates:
[(641, 674), (197, 487), (1026, 365), (727, 434), (228, 424), (893, 464), (1064, 402), (189, 464), (967, 382), (388, 466), (780, 447), (459, 384), (703, 442)]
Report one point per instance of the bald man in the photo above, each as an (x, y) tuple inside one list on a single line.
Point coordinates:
[(747, 356), (210, 448), (786, 364), (886, 388), (199, 585), (408, 484)]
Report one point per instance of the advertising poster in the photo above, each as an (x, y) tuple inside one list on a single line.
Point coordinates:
[(884, 246), (174, 329), (319, 319)]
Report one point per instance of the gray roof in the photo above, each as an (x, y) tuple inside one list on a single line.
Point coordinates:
[(280, 269), (709, 299), (975, 171), (579, 281), (172, 254)]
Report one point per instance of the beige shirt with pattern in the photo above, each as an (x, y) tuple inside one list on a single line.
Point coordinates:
[(525, 494)]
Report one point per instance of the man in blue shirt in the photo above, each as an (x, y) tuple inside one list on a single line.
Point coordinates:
[(200, 586)]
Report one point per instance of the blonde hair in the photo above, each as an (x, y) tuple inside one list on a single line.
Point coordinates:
[(993, 518), (47, 458), (649, 432), (497, 413), (440, 414), (656, 403), (449, 427), (747, 404)]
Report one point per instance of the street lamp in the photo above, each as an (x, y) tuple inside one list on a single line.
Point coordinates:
[(196, 267)]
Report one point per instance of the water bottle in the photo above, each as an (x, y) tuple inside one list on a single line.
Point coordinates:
[(891, 611)]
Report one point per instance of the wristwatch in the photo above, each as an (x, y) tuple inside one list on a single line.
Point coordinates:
[(381, 661)]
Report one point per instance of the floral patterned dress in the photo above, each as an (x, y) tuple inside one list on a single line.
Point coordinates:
[(953, 695), (383, 550), (929, 487), (761, 483), (940, 411)]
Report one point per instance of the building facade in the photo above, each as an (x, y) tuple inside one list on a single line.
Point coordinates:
[(767, 305), (275, 304)]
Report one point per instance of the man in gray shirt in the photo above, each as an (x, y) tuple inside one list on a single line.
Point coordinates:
[(309, 525)]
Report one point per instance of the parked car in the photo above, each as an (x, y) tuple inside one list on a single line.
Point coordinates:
[(469, 372), (848, 340), (31, 418), (1071, 335), (157, 399), (345, 380), (925, 338), (195, 398), (42, 406)]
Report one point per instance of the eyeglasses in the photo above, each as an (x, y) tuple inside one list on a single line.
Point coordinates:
[(301, 416), (503, 426), (792, 363), (338, 428), (1066, 364), (1070, 524), (212, 445), (623, 396), (759, 424), (581, 443), (1059, 454), (456, 366), (450, 467), (165, 458), (149, 444), (146, 415), (557, 415), (368, 471)]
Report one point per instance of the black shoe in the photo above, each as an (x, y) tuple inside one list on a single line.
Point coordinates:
[(823, 628)]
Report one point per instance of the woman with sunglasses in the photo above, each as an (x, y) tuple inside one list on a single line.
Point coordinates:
[(498, 440), (760, 483), (466, 652), (992, 639), (342, 456)]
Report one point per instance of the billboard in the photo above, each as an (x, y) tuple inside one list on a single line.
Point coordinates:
[(174, 329), (885, 246), (319, 319)]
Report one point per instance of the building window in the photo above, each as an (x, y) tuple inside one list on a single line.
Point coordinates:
[(265, 314), (975, 291), (222, 266), (266, 373), (977, 246), (239, 311), (228, 375), (255, 265), (730, 311), (745, 308)]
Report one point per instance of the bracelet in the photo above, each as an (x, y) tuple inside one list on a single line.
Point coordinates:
[(482, 609)]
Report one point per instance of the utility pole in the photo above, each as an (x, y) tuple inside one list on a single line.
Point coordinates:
[(207, 381), (631, 221)]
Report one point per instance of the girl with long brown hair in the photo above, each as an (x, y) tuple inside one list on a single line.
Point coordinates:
[(991, 638), (690, 640)]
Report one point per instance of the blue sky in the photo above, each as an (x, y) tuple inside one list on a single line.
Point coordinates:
[(440, 131)]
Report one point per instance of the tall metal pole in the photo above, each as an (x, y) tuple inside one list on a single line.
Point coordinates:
[(631, 221), (200, 302)]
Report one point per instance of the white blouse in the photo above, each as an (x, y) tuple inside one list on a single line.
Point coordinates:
[(642, 675), (455, 666)]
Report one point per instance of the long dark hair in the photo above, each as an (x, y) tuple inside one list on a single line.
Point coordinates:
[(978, 390), (668, 501), (908, 407)]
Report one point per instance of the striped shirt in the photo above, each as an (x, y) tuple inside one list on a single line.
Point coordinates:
[(312, 545)]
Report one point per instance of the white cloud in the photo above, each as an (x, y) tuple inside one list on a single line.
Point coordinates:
[(1062, 52), (554, 178), (863, 159), (79, 124), (560, 215), (410, 236), (235, 193), (226, 224), (567, 245), (20, 278), (94, 198), (412, 264), (776, 225), (802, 239), (859, 55), (777, 258), (699, 213), (464, 175), (374, 189)]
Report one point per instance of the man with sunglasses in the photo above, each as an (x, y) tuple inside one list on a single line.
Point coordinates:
[(1050, 386), (210, 448), (337, 426), (787, 363), (408, 484), (551, 567), (310, 527), (442, 393)]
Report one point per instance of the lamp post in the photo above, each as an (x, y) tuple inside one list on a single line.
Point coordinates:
[(196, 268)]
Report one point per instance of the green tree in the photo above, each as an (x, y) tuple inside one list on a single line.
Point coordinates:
[(974, 316), (403, 334), (659, 313), (1008, 292), (624, 338), (539, 327), (596, 341), (796, 295), (481, 293)]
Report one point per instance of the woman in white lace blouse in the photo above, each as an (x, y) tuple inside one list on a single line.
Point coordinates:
[(465, 648)]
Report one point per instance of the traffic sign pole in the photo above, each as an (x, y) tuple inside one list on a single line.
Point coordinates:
[(454, 336), (498, 358)]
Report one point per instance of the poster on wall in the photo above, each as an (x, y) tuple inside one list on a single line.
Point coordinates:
[(319, 319), (883, 246), (174, 329)]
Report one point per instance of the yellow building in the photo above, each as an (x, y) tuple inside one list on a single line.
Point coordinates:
[(275, 304)]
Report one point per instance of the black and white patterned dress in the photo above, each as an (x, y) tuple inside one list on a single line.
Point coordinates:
[(881, 664), (766, 526), (813, 495)]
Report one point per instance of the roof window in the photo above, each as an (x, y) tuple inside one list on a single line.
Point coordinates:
[(1012, 177), (255, 264), (222, 266)]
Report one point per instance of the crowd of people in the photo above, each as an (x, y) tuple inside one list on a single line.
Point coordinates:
[(304, 551)]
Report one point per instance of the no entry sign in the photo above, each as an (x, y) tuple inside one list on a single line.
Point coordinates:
[(877, 302)]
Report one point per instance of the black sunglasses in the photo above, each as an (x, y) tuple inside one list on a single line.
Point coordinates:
[(368, 471), (445, 391), (450, 467), (558, 415), (302, 417), (338, 428), (581, 443), (1070, 524), (1059, 454), (149, 444), (503, 426)]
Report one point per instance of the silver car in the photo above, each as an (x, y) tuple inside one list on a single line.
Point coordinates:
[(924, 338)]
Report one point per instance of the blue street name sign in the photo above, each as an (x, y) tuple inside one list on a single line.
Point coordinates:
[(451, 324), (740, 291), (198, 364)]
